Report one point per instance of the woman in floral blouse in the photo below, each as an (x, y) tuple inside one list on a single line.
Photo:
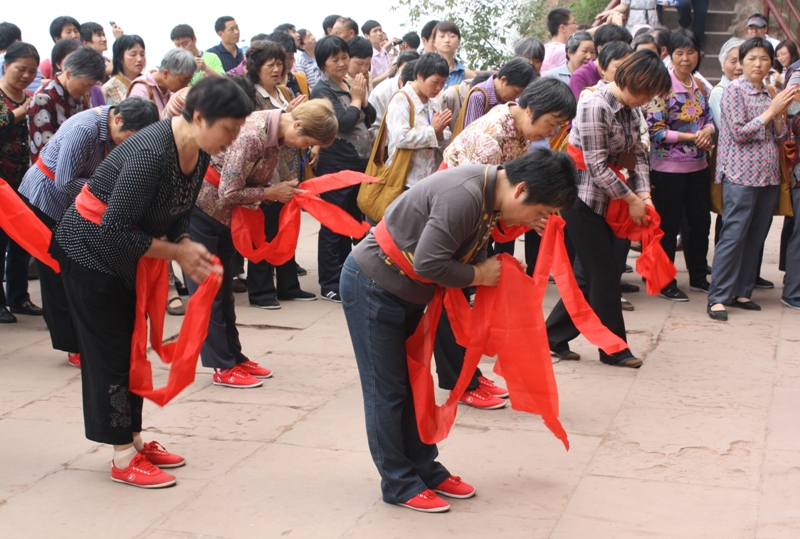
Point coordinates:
[(128, 63), (681, 130)]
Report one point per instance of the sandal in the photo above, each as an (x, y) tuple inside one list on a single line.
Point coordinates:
[(747, 304), (176, 310)]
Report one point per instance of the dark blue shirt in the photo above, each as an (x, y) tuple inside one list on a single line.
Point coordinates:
[(229, 61)]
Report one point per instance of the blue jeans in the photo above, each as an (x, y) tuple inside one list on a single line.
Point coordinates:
[(379, 324)]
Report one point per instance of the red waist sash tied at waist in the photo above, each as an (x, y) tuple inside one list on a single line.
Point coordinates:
[(653, 264), (151, 302), (21, 225), (247, 226), (46, 171), (506, 321)]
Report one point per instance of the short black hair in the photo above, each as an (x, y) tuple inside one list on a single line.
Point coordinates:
[(329, 46), (122, 44), (407, 73), (349, 23), (219, 25), (412, 40), (328, 22), (616, 50), (258, 54), (285, 27), (548, 95), (59, 23), (9, 33), (62, 49), (661, 33), (609, 33), (427, 30), (368, 26), (216, 98), (684, 38), (285, 40), (518, 72), (530, 48), (19, 50), (644, 39), (89, 29), (84, 62), (755, 43), (556, 18), (483, 76), (249, 88), (181, 31), (644, 72), (258, 37), (360, 47), (137, 112), (405, 57), (430, 64), (550, 177)]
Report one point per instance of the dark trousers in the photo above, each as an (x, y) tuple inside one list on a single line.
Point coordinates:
[(449, 356), (104, 312), (597, 273), (786, 234), (379, 324), (333, 248), (221, 349), (696, 23), (673, 196), (260, 282), (14, 267)]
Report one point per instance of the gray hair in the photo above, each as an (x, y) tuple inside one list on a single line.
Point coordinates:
[(136, 113), (530, 48), (728, 46), (179, 62), (574, 41), (85, 62)]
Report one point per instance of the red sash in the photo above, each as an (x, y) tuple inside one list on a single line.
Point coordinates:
[(653, 264), (151, 302), (21, 225), (47, 172), (247, 226)]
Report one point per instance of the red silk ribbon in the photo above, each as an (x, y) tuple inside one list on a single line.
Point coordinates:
[(21, 225)]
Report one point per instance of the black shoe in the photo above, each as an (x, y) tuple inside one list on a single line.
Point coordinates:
[(27, 308), (180, 288), (746, 305), (763, 283), (628, 268), (720, 316), (269, 303), (700, 287), (6, 317), (332, 296), (673, 293), (626, 305), (239, 287), (301, 271), (628, 288), (301, 295), (628, 361), (566, 354)]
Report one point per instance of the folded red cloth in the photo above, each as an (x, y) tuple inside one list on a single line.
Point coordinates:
[(21, 225)]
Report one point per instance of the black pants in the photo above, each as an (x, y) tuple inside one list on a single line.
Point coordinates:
[(104, 312), (449, 356), (260, 282), (333, 248), (14, 267), (598, 278), (696, 23), (221, 349), (786, 234), (674, 195)]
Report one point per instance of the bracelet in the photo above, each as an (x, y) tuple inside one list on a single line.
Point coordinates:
[(648, 197)]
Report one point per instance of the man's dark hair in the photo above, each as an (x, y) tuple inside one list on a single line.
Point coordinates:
[(328, 22), (518, 72), (89, 29), (59, 23), (406, 56), (412, 40), (550, 177), (684, 38), (613, 51), (609, 33), (368, 26), (427, 30), (216, 98), (349, 23), (556, 18), (329, 46), (84, 62), (19, 50), (219, 25), (407, 73), (548, 95), (755, 43), (258, 37), (137, 113), (479, 78), (360, 47), (644, 39), (247, 85), (258, 54), (121, 45), (181, 31), (285, 40), (9, 33), (61, 50), (644, 72), (661, 33), (285, 27), (431, 64)]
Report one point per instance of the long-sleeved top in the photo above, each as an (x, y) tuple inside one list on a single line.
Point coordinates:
[(421, 138), (747, 151), (555, 54), (148, 196), (245, 169), (308, 65), (50, 107), (379, 99), (115, 90), (476, 104), (715, 98), (353, 143), (443, 224), (72, 155), (492, 139), (288, 167), (683, 110), (146, 86), (14, 156), (228, 60), (585, 76), (603, 129)]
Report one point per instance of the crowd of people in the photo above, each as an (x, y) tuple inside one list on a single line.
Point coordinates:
[(122, 162)]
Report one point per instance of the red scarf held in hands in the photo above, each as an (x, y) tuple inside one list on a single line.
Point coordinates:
[(247, 226), (653, 263), (21, 225)]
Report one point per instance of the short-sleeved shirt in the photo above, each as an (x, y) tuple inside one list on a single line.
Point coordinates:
[(555, 54), (228, 60), (212, 61), (146, 86), (456, 75)]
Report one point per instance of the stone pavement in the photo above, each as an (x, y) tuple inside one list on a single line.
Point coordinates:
[(702, 441)]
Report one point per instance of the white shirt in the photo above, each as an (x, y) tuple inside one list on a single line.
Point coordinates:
[(379, 99)]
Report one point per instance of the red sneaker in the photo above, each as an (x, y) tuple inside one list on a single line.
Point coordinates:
[(236, 377), (254, 369), (454, 487), (428, 502), (74, 360), (156, 454), (492, 388), (142, 473), (482, 399)]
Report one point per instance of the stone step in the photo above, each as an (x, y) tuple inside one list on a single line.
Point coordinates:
[(717, 21), (726, 5)]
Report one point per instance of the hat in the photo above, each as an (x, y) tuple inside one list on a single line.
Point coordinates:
[(757, 20)]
